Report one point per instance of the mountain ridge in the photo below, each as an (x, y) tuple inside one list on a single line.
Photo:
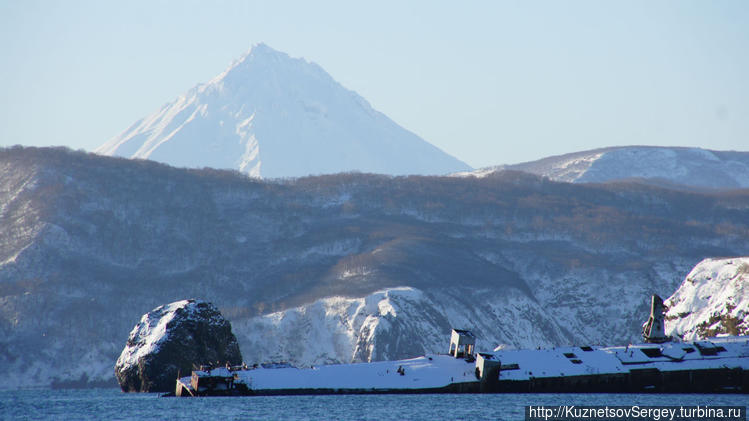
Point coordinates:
[(680, 167), (90, 243)]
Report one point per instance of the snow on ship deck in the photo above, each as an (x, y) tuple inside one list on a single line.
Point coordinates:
[(725, 352), (560, 369), (423, 373), (433, 371)]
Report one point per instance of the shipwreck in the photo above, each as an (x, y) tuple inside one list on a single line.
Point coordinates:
[(659, 365)]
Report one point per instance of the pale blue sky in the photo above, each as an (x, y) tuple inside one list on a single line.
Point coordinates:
[(489, 82)]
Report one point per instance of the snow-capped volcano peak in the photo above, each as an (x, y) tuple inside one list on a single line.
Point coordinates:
[(271, 115)]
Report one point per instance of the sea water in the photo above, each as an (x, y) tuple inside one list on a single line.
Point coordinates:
[(111, 404)]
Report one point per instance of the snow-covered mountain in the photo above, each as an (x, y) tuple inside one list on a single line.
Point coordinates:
[(691, 167), (712, 300), (270, 115), (345, 267)]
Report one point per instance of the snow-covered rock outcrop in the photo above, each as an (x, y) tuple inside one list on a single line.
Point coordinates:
[(171, 338), (712, 300), (269, 115)]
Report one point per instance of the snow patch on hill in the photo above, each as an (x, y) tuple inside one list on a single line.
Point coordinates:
[(712, 300)]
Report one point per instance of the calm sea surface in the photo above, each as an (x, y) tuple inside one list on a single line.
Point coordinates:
[(112, 404)]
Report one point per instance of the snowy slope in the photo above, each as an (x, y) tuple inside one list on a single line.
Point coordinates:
[(393, 323), (693, 167), (712, 300), (269, 115)]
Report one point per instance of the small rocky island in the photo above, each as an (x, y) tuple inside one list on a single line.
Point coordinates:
[(170, 340)]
